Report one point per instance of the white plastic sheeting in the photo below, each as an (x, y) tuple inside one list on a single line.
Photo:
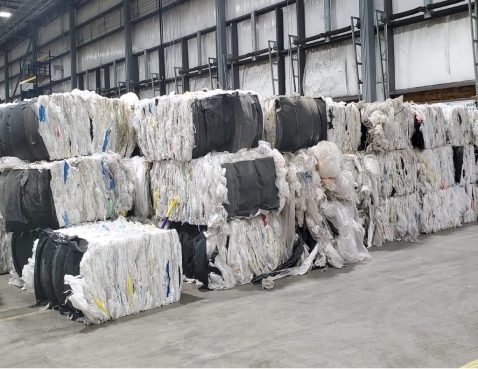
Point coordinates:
[(433, 125), (128, 268), (343, 125), (459, 129), (399, 176), (389, 124), (142, 199), (200, 185), (435, 169), (6, 262), (82, 122)]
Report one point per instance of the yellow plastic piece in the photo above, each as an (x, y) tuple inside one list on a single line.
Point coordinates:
[(173, 203), (130, 291), (101, 306)]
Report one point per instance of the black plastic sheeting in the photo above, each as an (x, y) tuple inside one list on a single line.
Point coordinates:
[(56, 256), (202, 266), (22, 248), (19, 135), (417, 138), (28, 201), (226, 122), (301, 122), (458, 153), (187, 234), (251, 186)]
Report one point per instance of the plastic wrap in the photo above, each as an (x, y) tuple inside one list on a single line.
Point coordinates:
[(435, 169), (343, 125), (6, 262), (459, 128), (201, 185), (183, 127), (388, 123), (127, 268), (142, 200), (429, 125), (399, 173), (293, 123), (82, 123), (471, 213), (72, 191), (467, 174), (473, 119)]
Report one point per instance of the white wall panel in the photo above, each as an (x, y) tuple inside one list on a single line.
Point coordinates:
[(2, 91), (154, 62), (146, 34), (236, 8), (172, 58), (265, 29), (193, 53), (208, 46), (19, 50), (57, 47), (101, 52), (198, 83), (244, 36), (290, 23), (54, 29), (94, 8), (342, 10), (257, 78), (314, 17), (330, 71), (403, 5), (433, 52), (61, 87)]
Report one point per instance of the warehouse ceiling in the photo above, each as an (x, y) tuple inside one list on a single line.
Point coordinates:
[(25, 14)]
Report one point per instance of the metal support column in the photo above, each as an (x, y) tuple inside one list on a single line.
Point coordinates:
[(221, 45), (367, 39), (274, 58), (328, 20), (162, 62), (235, 53), (128, 47), (254, 32), (6, 70), (73, 72), (106, 72), (428, 13), (382, 47), (199, 46), (301, 35), (185, 63), (473, 11), (280, 47), (98, 80), (388, 6)]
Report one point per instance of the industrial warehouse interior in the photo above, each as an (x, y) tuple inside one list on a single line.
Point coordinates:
[(238, 183)]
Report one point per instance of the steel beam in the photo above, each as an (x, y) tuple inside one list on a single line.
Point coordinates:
[(280, 47), (301, 35), (6, 71), (388, 7), (367, 39), (235, 54), (327, 16), (185, 63), (73, 73), (128, 47), (221, 45), (199, 46)]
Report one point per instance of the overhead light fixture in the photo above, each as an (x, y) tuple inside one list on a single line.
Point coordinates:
[(4, 14)]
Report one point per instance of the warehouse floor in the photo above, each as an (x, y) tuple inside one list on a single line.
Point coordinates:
[(414, 305)]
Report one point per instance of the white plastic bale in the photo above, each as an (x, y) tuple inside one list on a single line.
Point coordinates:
[(389, 124), (164, 125), (399, 172), (468, 173), (6, 262), (433, 126), (435, 169), (128, 268), (82, 123), (473, 118), (142, 200), (343, 125), (459, 129), (200, 185), (471, 212)]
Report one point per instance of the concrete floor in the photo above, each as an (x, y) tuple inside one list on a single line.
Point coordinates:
[(414, 305)]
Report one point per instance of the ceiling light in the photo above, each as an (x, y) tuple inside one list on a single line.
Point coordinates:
[(4, 14)]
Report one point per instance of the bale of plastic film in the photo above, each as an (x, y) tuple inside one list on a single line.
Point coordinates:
[(221, 185), (82, 123), (396, 219), (344, 127), (6, 262), (429, 126), (399, 172), (294, 122), (473, 118), (435, 169), (142, 199), (388, 124), (459, 128), (471, 213), (231, 255), (126, 268), (466, 168), (188, 126), (66, 192)]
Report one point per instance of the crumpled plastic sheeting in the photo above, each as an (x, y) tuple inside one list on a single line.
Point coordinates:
[(433, 126), (468, 172), (459, 129), (128, 268), (435, 169), (28, 271), (389, 124), (443, 209), (343, 125), (165, 126), (399, 172), (82, 123), (256, 246), (471, 213), (142, 200), (396, 219), (200, 185), (473, 118), (6, 262)]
